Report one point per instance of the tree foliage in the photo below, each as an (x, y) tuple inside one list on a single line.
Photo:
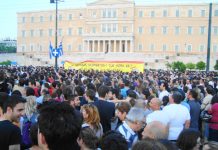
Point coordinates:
[(7, 49), (178, 65), (201, 65), (216, 66), (190, 66), (6, 63)]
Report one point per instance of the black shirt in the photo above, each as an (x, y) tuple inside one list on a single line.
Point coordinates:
[(9, 135), (106, 112)]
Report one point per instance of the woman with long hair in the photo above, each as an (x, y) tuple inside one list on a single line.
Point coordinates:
[(92, 119)]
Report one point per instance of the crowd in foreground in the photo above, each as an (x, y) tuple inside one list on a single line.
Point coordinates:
[(41, 109)]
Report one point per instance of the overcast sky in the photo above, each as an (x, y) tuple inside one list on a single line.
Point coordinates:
[(9, 8)]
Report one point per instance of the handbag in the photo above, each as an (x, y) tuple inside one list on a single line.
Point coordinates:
[(205, 116)]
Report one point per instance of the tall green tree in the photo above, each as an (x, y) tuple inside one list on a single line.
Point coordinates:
[(190, 66), (216, 66), (201, 65), (178, 65)]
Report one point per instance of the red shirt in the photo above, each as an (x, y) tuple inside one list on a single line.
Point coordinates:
[(214, 113)]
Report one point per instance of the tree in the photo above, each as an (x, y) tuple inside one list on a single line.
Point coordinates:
[(201, 65), (168, 65), (216, 66), (190, 66), (178, 65)]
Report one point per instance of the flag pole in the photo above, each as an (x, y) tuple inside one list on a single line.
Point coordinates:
[(56, 35)]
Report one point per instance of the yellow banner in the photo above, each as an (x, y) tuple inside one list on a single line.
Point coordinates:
[(124, 66)]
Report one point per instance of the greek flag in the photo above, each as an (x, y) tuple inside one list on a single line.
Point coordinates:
[(60, 49), (50, 50)]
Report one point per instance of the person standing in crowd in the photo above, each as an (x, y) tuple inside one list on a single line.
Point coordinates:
[(207, 99), (3, 98), (179, 116), (163, 90), (92, 119), (58, 127), (106, 109), (194, 109), (10, 134), (133, 123)]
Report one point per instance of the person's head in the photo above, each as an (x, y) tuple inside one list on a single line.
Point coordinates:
[(214, 99), (59, 126), (30, 106), (30, 91), (163, 86), (155, 104), (155, 130), (113, 140), (122, 110), (210, 90), (103, 91), (87, 139), (3, 98), (192, 94), (131, 94), (165, 100), (13, 108), (32, 83), (90, 95), (176, 98), (135, 118), (80, 90), (188, 139), (16, 92), (148, 144), (33, 134), (168, 144), (91, 115)]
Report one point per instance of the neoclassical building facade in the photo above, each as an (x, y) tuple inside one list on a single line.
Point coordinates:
[(121, 26)]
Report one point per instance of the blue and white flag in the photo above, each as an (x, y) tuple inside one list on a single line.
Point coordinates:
[(50, 50), (60, 49)]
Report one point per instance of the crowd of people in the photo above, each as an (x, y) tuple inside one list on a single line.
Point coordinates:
[(41, 108)]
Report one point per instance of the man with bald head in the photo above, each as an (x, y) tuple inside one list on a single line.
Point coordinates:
[(155, 130), (157, 114)]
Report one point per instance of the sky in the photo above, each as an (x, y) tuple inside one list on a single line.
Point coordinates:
[(9, 8)]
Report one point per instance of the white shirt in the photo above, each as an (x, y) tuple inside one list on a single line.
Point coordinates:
[(178, 115), (162, 94), (157, 115)]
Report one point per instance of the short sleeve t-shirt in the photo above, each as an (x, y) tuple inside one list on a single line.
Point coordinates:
[(9, 135)]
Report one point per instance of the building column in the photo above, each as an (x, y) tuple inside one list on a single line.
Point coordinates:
[(103, 46), (98, 50), (109, 47), (115, 46), (94, 46), (84, 43), (88, 49), (120, 45), (131, 46), (126, 46)]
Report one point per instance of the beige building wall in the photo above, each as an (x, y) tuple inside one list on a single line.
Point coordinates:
[(120, 26)]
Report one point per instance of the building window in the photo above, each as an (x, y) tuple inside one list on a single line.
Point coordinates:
[(152, 14), (32, 33), (104, 13), (50, 32), (41, 18), (109, 13), (80, 47), (69, 47), (103, 28), (70, 17), (215, 48), (201, 48), (125, 29), (189, 47), (190, 30), (80, 15), (140, 14), (151, 47), (124, 14), (93, 30), (23, 33), (50, 17), (202, 30), (94, 14), (40, 48), (203, 13), (69, 31), (114, 27), (216, 12), (109, 28), (176, 48), (41, 33), (164, 30), (164, 13), (189, 13), (32, 19), (177, 30), (59, 32), (80, 31), (215, 30), (23, 19), (177, 13), (114, 13), (23, 48), (140, 30), (164, 48), (31, 47), (140, 47), (152, 30), (60, 17)]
